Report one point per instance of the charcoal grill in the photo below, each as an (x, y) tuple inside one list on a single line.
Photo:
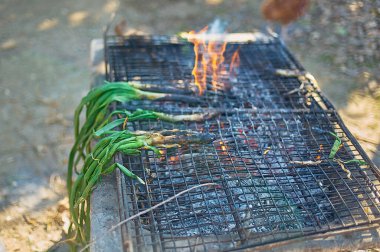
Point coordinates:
[(267, 131)]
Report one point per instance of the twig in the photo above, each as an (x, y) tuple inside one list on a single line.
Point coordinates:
[(148, 210), (289, 72), (304, 77), (301, 87), (309, 162), (341, 163)]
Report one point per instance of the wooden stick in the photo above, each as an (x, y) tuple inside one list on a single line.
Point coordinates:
[(147, 210)]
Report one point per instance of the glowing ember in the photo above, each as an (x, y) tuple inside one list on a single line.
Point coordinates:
[(222, 146), (174, 159), (266, 151), (318, 157)]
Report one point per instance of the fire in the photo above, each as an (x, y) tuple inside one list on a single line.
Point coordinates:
[(209, 58), (215, 51), (235, 63), (200, 75)]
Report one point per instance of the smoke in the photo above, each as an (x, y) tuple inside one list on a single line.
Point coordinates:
[(217, 27)]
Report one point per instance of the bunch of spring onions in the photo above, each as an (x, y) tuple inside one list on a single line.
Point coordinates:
[(96, 103), (99, 160)]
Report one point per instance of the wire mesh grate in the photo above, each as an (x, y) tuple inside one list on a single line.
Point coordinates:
[(270, 160), (171, 65)]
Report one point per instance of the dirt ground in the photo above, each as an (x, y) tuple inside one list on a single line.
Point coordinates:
[(44, 71)]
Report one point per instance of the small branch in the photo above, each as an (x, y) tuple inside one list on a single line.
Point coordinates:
[(148, 210), (289, 72), (304, 77), (309, 162), (301, 87), (342, 165)]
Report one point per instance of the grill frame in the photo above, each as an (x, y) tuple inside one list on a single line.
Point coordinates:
[(321, 105)]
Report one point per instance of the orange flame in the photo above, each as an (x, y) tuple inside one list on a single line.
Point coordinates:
[(200, 75), (208, 57), (235, 62), (215, 51)]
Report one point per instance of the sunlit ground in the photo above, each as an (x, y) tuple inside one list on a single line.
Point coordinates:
[(362, 117)]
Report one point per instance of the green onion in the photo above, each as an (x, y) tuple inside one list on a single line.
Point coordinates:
[(336, 145), (99, 162), (96, 103)]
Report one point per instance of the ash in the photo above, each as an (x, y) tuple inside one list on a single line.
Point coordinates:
[(257, 192)]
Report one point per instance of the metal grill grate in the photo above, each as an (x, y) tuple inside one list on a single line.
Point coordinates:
[(255, 86), (264, 194)]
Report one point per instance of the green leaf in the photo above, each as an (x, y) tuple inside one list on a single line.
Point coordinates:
[(129, 173), (130, 152), (109, 126), (359, 162), (335, 146), (109, 169), (154, 149)]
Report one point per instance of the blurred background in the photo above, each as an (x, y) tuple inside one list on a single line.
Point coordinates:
[(44, 72)]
